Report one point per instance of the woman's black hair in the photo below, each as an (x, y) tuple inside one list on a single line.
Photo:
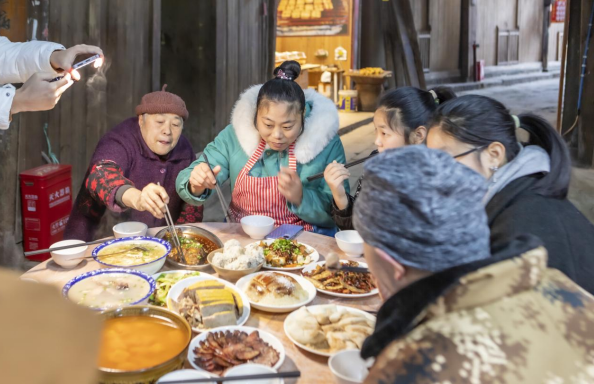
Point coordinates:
[(480, 121), (284, 88), (408, 108)]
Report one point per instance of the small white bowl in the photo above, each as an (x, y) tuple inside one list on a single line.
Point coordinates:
[(350, 242), (184, 374), (68, 258), (257, 227), (348, 367), (253, 369), (130, 228)]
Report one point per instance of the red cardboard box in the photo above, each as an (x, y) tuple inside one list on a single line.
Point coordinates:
[(46, 202)]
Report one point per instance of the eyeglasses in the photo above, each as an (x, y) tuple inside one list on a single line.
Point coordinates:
[(470, 151)]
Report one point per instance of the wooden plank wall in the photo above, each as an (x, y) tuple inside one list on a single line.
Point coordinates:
[(582, 136), (444, 19), (188, 64), (576, 35), (421, 9), (245, 51), (493, 14), (554, 30), (92, 106), (22, 139), (389, 40), (530, 21), (311, 44), (16, 15), (510, 14)]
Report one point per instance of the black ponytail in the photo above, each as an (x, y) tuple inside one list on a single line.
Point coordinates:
[(556, 182), (480, 121), (284, 88), (408, 108)]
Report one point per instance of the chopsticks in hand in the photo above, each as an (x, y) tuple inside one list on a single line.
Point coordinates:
[(173, 231), (279, 375), (219, 192), (348, 165)]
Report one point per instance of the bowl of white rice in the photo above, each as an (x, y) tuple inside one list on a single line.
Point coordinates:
[(235, 261)]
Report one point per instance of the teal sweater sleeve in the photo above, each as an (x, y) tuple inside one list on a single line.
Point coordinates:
[(316, 205), (219, 153)]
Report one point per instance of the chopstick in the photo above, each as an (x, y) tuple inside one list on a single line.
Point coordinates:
[(348, 165), (350, 269), (40, 251), (173, 231), (279, 375), (219, 192)]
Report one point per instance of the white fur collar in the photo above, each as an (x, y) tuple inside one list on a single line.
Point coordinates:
[(320, 126)]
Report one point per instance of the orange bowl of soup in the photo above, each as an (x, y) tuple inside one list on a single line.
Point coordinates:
[(141, 343)]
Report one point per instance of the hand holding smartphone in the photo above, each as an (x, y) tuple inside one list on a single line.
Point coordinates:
[(80, 64)]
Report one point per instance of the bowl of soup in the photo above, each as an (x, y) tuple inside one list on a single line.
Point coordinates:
[(145, 254), (110, 288), (140, 344), (196, 244)]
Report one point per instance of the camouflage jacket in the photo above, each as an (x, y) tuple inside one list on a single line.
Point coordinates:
[(509, 319)]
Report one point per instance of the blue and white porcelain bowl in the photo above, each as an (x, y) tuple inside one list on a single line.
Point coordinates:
[(144, 300), (149, 268)]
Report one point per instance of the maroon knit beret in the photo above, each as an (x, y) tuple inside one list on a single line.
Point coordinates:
[(162, 102)]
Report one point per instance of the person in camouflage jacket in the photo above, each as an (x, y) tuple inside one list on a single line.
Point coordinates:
[(452, 315)]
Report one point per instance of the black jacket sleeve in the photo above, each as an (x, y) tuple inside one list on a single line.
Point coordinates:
[(568, 236), (343, 217)]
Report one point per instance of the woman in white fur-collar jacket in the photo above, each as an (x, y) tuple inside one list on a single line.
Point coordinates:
[(279, 135)]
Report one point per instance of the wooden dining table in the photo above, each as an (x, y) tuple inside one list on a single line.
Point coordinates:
[(314, 368)]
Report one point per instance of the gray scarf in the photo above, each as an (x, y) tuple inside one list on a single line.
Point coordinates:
[(531, 160)]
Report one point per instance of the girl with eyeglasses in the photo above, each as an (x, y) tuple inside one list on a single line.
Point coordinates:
[(527, 182)]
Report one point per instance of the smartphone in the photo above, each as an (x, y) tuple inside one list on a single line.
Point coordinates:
[(285, 231), (87, 61), (80, 64)]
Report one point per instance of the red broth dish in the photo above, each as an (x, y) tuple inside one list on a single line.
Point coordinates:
[(195, 247)]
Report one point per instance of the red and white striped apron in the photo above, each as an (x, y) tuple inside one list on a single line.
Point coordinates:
[(260, 195)]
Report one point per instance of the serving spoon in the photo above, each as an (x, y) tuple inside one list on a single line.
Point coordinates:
[(333, 263)]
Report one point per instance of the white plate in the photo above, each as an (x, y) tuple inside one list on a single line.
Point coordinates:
[(184, 374), (314, 256), (312, 267), (267, 337), (179, 287), (316, 309), (244, 282), (184, 271)]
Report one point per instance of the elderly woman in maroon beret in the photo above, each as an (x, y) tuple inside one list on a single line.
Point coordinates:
[(128, 165)]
